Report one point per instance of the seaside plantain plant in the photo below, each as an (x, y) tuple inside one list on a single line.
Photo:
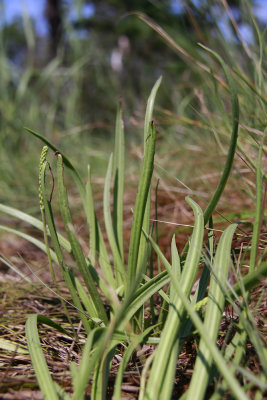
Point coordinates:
[(106, 279)]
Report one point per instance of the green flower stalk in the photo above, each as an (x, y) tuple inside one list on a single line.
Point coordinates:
[(42, 161)]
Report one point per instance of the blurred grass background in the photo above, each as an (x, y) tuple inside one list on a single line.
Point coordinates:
[(64, 82)]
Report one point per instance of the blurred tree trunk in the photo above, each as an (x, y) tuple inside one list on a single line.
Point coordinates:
[(53, 14)]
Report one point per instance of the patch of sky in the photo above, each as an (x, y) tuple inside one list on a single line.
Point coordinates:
[(176, 6), (80, 9), (260, 10), (13, 9), (246, 33), (225, 25)]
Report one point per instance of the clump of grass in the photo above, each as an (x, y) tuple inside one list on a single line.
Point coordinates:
[(127, 288), (109, 275)]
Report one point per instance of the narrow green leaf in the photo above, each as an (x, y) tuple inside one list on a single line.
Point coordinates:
[(232, 147), (38, 360), (103, 256), (38, 243), (120, 272), (101, 376), (87, 302), (222, 366), (60, 259), (118, 176), (144, 293), (250, 85), (258, 211), (175, 265), (135, 341), (29, 32), (75, 245), (91, 218), (97, 245), (143, 248), (9, 264), (161, 368), (236, 349), (140, 204), (33, 222), (92, 351), (213, 315), (150, 108), (249, 281)]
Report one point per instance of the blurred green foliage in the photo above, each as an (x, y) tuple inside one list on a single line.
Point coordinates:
[(69, 93)]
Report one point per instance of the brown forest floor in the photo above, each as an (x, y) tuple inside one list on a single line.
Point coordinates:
[(19, 299)]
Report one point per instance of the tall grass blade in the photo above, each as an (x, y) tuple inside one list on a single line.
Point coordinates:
[(91, 219), (88, 305), (120, 272), (150, 108), (60, 259), (85, 196), (100, 380), (46, 209), (258, 210), (29, 32), (251, 85), (136, 340), (158, 386), (143, 293), (38, 360), (190, 60), (235, 349), (38, 243), (143, 248), (76, 247), (90, 358), (252, 279), (176, 267), (247, 283), (213, 315), (36, 223), (10, 265), (98, 248), (232, 147), (140, 204), (42, 194), (118, 176), (218, 359)]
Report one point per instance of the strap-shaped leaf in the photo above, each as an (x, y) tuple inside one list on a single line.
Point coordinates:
[(233, 141), (140, 204), (162, 373), (91, 355), (14, 212), (259, 208), (118, 176), (221, 364), (76, 247), (143, 248), (213, 314), (98, 248), (60, 259), (45, 381), (120, 271), (124, 362)]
